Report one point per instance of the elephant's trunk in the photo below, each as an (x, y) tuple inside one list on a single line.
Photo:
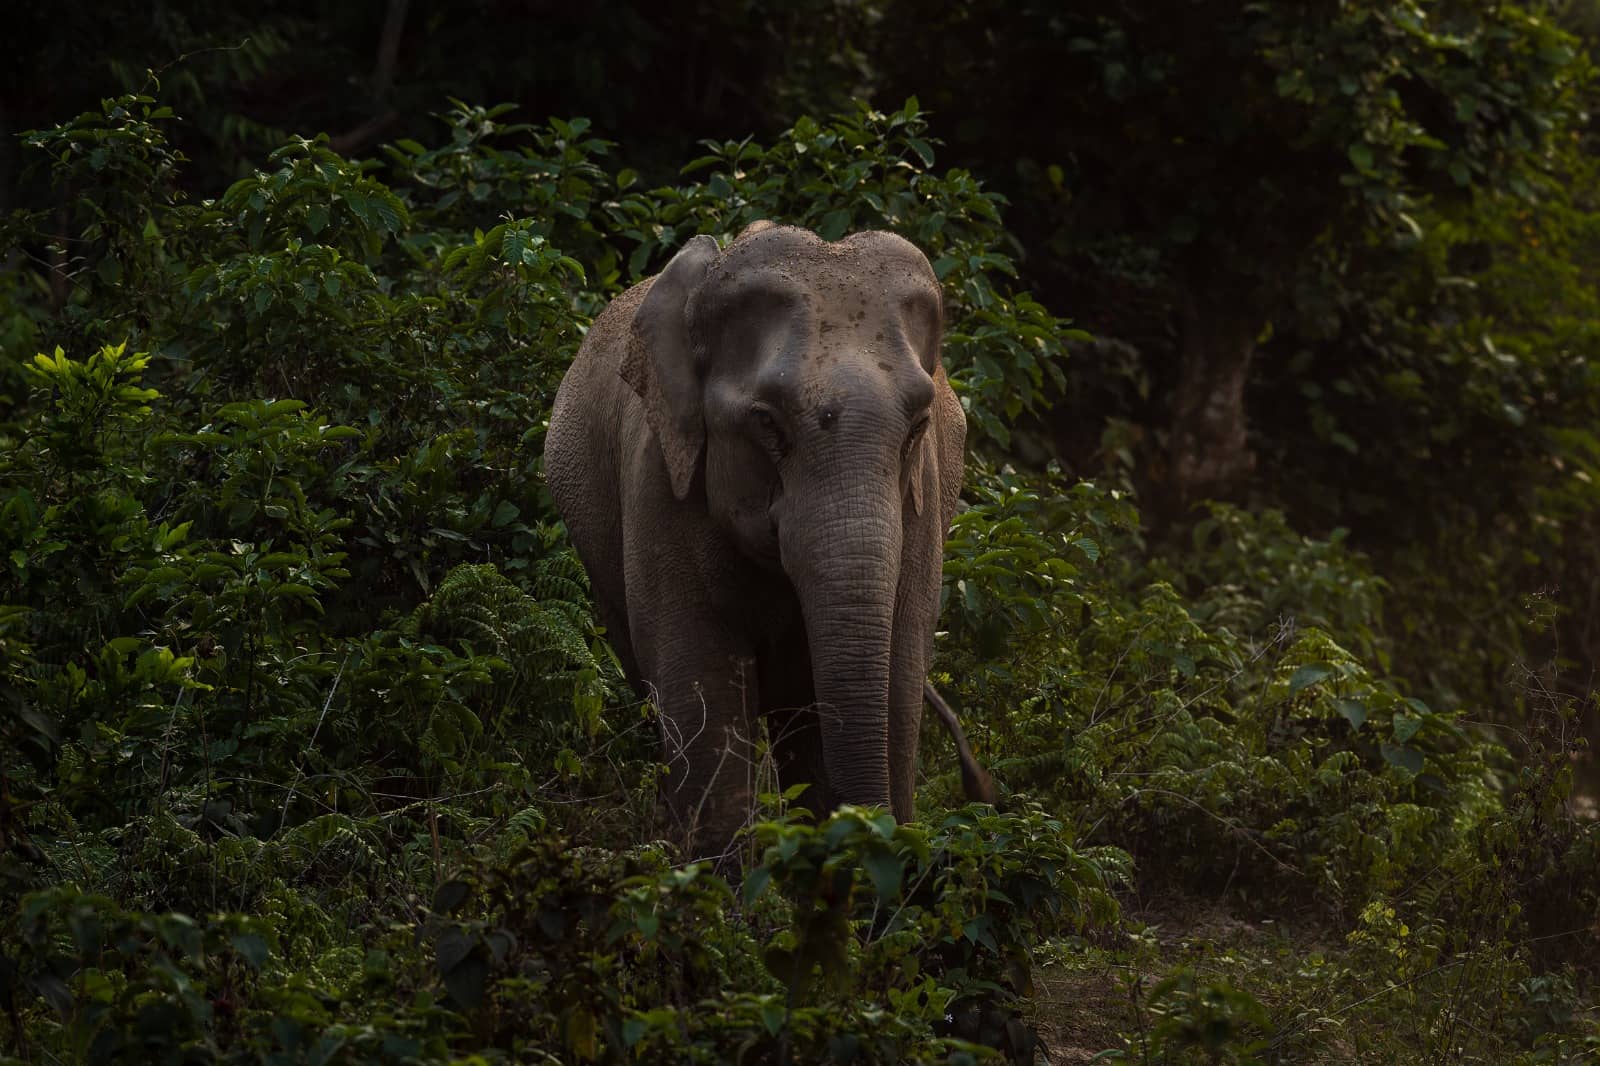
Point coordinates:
[(849, 550)]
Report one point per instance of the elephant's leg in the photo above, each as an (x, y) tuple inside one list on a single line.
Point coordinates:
[(788, 696), (595, 526), (796, 734), (706, 693), (696, 659), (615, 620)]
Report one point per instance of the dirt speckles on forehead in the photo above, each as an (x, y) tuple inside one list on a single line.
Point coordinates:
[(841, 283), (862, 259), (821, 319)]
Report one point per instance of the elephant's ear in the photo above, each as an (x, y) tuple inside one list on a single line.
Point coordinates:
[(918, 467), (939, 457), (660, 363), (950, 429)]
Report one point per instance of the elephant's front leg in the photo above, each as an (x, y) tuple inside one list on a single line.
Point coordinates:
[(705, 691)]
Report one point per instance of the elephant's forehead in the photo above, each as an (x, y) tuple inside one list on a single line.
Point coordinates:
[(833, 300), (808, 312), (859, 312), (856, 270), (810, 357)]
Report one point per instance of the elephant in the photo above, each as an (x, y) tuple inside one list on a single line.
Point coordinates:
[(757, 455)]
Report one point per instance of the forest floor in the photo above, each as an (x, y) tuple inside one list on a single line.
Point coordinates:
[(1323, 995), (1092, 998)]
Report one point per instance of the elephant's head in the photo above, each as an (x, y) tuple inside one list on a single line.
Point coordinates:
[(791, 382)]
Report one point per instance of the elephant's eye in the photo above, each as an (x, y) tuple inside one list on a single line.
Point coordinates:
[(771, 433)]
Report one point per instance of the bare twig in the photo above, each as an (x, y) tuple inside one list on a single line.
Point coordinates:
[(299, 769)]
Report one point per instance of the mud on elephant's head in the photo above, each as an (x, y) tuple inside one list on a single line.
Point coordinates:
[(789, 364)]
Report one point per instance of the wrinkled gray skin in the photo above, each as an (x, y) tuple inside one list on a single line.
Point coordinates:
[(758, 456)]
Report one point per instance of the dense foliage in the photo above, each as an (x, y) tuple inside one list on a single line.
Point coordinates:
[(312, 748)]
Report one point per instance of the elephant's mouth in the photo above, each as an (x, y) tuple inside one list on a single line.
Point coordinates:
[(770, 547)]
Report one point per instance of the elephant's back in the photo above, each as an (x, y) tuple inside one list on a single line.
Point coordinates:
[(594, 418), (592, 404)]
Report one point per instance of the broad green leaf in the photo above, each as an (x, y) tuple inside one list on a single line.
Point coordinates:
[(886, 870), (1409, 759), (833, 225), (251, 947), (1354, 711), (1309, 675), (755, 883)]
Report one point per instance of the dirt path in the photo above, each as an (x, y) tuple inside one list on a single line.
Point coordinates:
[(1079, 1015), (1083, 1005)]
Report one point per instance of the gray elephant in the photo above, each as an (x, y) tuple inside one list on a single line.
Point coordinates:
[(757, 455)]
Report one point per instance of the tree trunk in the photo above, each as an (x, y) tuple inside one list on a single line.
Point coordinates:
[(1210, 449), (394, 23)]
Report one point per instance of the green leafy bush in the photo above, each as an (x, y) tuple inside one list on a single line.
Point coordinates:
[(316, 752), (337, 646)]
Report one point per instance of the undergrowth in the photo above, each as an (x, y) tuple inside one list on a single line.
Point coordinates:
[(314, 751)]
